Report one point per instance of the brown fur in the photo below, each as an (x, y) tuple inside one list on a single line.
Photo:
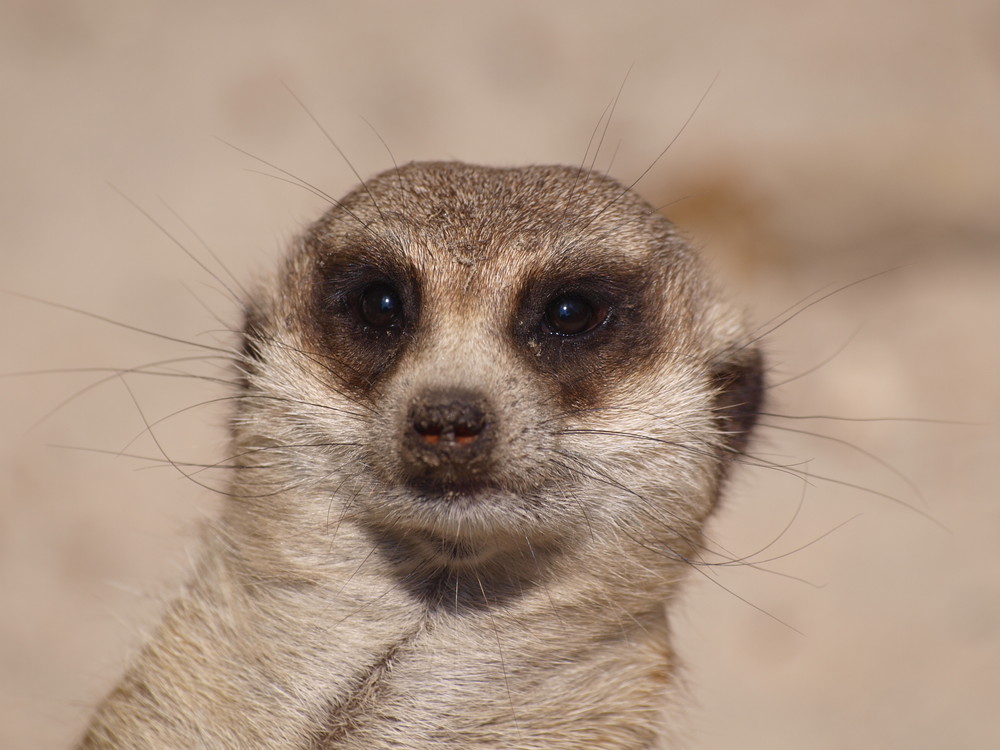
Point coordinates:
[(357, 593)]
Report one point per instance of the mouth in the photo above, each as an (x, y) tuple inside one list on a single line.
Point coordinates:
[(467, 514), (460, 524), (468, 490), (455, 552), (477, 545), (427, 545)]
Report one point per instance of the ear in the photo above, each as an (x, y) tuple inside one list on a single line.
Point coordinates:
[(250, 342), (250, 355), (739, 397)]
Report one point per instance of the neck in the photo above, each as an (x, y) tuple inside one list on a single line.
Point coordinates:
[(350, 654)]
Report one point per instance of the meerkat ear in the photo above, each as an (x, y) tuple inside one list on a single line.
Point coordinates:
[(249, 355), (250, 342), (739, 398)]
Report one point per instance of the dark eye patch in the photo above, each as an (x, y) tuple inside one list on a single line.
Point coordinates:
[(367, 286), (365, 298), (584, 330)]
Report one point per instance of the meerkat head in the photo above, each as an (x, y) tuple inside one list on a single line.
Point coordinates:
[(476, 365)]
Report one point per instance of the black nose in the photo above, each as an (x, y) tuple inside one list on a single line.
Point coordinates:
[(448, 438)]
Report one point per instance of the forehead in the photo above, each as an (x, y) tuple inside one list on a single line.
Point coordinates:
[(482, 230)]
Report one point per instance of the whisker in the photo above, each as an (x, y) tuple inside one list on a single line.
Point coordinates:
[(601, 479), (114, 373), (295, 182), (760, 462), (160, 447), (699, 567), (117, 323), (756, 563), (208, 249), (159, 460), (783, 318), (332, 142), (837, 418), (840, 349), (868, 454), (611, 115), (392, 158), (659, 156), (237, 397), (177, 243), (503, 662), (303, 183), (291, 176)]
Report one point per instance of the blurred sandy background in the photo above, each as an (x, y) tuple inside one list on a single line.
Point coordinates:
[(839, 140)]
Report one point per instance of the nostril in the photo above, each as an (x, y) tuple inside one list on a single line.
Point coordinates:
[(467, 432), (430, 429)]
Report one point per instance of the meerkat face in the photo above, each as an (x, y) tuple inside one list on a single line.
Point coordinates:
[(473, 361)]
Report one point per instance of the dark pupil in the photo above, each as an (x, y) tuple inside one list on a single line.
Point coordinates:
[(569, 315), (380, 306)]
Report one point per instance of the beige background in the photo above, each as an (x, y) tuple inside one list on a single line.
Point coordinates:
[(840, 139)]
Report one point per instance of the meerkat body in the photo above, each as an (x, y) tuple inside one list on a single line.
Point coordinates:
[(483, 416)]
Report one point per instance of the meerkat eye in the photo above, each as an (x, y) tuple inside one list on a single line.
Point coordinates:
[(573, 314), (379, 306)]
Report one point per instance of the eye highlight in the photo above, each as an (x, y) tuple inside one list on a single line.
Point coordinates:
[(379, 306), (573, 314)]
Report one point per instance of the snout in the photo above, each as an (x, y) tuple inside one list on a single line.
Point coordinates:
[(448, 439)]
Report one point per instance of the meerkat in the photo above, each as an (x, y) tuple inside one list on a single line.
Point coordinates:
[(482, 417)]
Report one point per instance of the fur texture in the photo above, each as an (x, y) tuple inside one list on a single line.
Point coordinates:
[(368, 586)]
